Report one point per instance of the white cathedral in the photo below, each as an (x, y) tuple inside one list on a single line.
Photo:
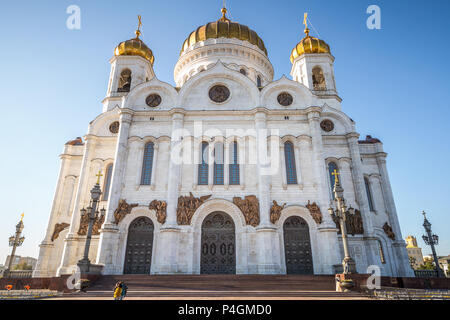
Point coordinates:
[(228, 172)]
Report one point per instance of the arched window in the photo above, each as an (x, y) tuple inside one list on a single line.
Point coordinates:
[(318, 79), (289, 156), (218, 164), (125, 81), (243, 72), (146, 177), (380, 248), (258, 82), (331, 167), (369, 194), (107, 184), (234, 165), (203, 166)]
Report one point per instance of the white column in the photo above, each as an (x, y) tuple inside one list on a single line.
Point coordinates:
[(399, 246), (358, 179), (226, 163), (328, 240), (210, 165), (319, 166), (47, 245), (109, 234), (304, 143), (70, 242), (283, 166), (241, 161), (166, 254), (268, 250), (154, 165), (136, 146), (297, 165)]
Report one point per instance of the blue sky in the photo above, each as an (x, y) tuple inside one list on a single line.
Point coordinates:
[(394, 83)]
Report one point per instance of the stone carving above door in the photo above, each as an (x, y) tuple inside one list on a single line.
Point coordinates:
[(84, 224), (187, 205), (250, 208), (59, 227), (354, 223), (315, 212), (275, 212), (388, 230), (160, 208), (122, 210)]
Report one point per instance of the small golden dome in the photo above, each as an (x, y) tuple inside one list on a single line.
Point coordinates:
[(224, 28), (309, 45), (135, 47)]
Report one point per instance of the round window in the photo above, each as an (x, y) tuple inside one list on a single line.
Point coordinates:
[(153, 100), (219, 93), (285, 99)]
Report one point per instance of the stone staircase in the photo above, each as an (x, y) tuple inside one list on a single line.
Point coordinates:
[(218, 286)]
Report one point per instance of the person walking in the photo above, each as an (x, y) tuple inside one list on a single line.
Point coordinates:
[(118, 291), (124, 290)]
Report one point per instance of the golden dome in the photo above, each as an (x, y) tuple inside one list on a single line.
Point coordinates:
[(135, 47), (309, 45), (224, 28)]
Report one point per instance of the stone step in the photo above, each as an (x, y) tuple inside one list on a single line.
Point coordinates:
[(236, 283)]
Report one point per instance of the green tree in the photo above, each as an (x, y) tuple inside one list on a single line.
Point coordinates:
[(427, 265), (23, 266)]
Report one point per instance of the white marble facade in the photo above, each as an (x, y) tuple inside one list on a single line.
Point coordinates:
[(251, 116)]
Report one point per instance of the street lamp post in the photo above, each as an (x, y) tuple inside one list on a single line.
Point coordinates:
[(341, 213), (14, 242), (84, 264), (432, 240)]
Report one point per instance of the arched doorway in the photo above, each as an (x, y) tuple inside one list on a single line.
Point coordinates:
[(297, 246), (138, 256), (218, 254)]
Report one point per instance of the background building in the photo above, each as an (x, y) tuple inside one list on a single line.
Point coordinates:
[(18, 260), (414, 252)]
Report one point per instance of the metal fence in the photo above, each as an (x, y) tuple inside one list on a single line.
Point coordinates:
[(426, 273)]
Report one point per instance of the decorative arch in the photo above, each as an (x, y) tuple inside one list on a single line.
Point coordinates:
[(136, 98), (303, 97), (303, 213), (218, 73), (241, 229), (124, 225), (100, 125)]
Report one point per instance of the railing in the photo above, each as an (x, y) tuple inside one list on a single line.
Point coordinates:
[(426, 273), (18, 274)]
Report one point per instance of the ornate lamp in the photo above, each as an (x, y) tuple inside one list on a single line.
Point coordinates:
[(431, 240), (341, 213), (14, 242), (96, 192)]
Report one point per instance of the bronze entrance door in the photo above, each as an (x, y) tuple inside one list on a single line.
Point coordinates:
[(218, 254), (297, 246), (138, 257)]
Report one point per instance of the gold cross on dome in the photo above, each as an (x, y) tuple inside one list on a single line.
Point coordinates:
[(336, 176), (99, 175), (140, 22), (22, 215), (138, 31), (305, 22)]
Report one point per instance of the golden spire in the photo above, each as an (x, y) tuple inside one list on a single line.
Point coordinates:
[(224, 13), (22, 215), (138, 31), (305, 22), (99, 175)]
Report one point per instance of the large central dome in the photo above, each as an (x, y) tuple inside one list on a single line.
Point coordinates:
[(224, 28)]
